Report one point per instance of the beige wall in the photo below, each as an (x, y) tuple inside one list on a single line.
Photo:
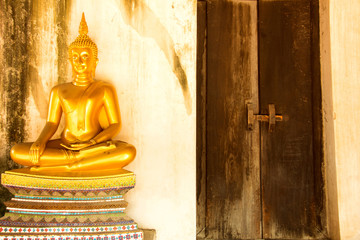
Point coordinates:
[(147, 50), (341, 89), (137, 41)]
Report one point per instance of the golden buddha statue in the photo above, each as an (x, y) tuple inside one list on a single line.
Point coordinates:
[(92, 118)]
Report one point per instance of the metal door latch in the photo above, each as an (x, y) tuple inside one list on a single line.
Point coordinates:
[(271, 118)]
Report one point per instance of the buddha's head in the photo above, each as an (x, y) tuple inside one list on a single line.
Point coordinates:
[(83, 52)]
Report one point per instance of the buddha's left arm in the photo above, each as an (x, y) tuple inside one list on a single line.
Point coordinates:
[(112, 109)]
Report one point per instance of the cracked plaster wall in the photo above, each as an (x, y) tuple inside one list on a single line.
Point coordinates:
[(147, 50)]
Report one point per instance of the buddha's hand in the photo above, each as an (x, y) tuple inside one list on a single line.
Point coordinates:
[(36, 150), (81, 145)]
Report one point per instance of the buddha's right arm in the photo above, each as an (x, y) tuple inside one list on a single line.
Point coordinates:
[(52, 123), (38, 147), (47, 132), (53, 118)]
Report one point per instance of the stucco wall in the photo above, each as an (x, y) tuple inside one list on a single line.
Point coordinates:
[(147, 50), (341, 88)]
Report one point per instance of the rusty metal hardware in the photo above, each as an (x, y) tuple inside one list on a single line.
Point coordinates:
[(272, 118)]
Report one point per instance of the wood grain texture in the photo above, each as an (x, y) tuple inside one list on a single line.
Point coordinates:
[(233, 208), (292, 194), (201, 121)]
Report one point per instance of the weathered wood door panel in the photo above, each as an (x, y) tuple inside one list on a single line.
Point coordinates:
[(288, 164), (233, 178), (259, 184)]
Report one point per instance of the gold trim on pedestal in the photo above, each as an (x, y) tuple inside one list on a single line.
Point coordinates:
[(71, 181)]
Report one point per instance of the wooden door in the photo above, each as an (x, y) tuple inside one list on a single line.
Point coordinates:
[(257, 184), (291, 176)]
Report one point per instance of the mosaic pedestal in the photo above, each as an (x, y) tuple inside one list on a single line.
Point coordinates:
[(73, 206)]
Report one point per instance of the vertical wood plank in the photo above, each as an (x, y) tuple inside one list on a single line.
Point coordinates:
[(291, 194), (318, 151), (201, 120), (233, 179)]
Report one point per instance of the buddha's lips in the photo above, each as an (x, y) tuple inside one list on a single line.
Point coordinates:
[(80, 68)]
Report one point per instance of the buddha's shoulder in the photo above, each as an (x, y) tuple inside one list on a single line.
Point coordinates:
[(61, 86), (97, 84), (104, 85)]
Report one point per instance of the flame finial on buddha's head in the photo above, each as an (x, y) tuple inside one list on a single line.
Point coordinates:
[(83, 40)]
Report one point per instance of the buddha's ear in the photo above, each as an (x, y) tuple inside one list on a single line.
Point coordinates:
[(96, 63)]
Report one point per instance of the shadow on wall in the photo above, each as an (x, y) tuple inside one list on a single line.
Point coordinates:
[(139, 16), (37, 90)]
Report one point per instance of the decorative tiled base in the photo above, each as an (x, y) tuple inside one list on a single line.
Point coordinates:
[(67, 207), (85, 229), (109, 236)]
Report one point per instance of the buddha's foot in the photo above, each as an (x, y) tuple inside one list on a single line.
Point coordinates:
[(50, 169), (35, 168)]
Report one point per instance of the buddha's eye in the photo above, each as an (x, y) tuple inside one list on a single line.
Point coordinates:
[(75, 57), (84, 56)]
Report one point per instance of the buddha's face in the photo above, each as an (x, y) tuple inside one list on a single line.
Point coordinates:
[(82, 61)]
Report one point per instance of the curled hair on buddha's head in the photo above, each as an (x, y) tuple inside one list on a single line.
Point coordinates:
[(83, 40)]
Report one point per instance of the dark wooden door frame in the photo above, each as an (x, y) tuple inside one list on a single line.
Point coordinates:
[(202, 111)]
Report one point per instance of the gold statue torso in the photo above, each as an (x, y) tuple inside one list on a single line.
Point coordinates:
[(83, 109)]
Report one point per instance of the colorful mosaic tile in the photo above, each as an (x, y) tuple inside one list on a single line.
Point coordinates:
[(67, 206), (60, 219), (31, 224), (68, 192), (85, 229), (64, 213), (135, 235), (20, 197)]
